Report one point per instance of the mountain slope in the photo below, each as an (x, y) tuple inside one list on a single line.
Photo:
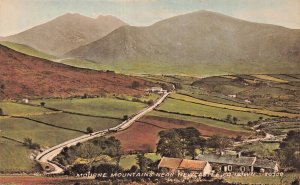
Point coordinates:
[(66, 33), (26, 76), (201, 39)]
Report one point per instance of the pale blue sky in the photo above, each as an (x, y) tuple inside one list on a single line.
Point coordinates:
[(19, 15)]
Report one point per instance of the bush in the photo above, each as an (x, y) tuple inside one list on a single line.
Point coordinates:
[(89, 130), (135, 84)]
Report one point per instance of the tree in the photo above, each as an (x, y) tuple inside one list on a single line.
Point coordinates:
[(180, 142), (135, 84), (27, 141), (43, 104), (169, 144), (89, 130), (125, 117), (1, 112), (143, 162), (289, 153), (235, 119), (228, 118), (219, 143), (150, 102)]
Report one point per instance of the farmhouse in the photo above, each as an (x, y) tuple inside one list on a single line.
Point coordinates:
[(228, 163), (158, 90), (238, 163), (185, 165)]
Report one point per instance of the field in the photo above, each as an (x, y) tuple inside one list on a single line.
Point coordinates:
[(172, 105), (127, 161), (261, 149), (14, 157), (209, 122), (95, 106), (270, 78), (15, 109), (77, 122), (27, 50), (45, 135), (48, 128), (282, 127), (135, 137)]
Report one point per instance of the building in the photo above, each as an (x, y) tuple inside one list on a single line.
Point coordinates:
[(265, 165), (228, 163), (238, 163), (185, 165), (232, 95), (158, 90), (25, 100)]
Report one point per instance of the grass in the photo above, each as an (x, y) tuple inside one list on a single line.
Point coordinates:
[(95, 106), (81, 63), (287, 179), (42, 134), (231, 107), (14, 157), (180, 106), (16, 109), (270, 78), (27, 50), (127, 161), (78, 122), (209, 122), (262, 149)]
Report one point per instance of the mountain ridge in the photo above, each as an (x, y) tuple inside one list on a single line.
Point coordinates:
[(200, 37), (66, 32)]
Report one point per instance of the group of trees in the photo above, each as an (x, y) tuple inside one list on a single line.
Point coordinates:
[(180, 142), (28, 142), (289, 150), (183, 142), (88, 150), (231, 119)]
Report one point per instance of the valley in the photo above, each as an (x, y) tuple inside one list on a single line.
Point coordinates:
[(93, 95)]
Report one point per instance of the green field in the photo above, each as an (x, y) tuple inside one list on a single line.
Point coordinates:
[(231, 107), (27, 50), (127, 161), (262, 149), (95, 106), (179, 106), (269, 180), (14, 157), (15, 109), (209, 122), (42, 134), (78, 122)]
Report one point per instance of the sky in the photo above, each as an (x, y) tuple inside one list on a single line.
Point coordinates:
[(20, 15)]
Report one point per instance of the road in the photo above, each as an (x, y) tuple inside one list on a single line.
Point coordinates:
[(47, 155)]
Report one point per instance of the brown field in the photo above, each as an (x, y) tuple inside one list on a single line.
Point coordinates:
[(143, 134), (26, 76)]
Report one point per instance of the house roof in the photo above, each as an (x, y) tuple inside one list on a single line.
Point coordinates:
[(176, 163), (192, 164), (227, 159), (171, 163), (265, 163)]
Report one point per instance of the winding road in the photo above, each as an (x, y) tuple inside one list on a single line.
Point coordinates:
[(45, 158)]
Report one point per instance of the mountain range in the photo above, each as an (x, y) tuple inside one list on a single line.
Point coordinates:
[(66, 32), (200, 39), (201, 42)]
